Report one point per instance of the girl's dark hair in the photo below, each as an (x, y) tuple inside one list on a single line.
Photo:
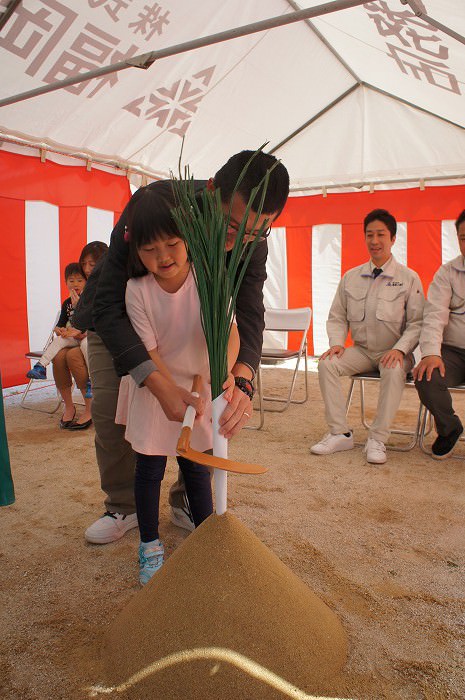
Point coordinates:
[(73, 268), (95, 249), (148, 219)]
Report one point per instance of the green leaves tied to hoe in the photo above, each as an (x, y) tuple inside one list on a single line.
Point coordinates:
[(218, 274)]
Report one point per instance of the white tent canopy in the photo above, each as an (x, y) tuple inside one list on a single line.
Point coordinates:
[(367, 94)]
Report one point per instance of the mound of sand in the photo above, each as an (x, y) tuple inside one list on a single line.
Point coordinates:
[(226, 611)]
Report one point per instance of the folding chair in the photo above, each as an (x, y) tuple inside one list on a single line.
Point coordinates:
[(375, 377), (284, 320), (36, 355), (427, 425)]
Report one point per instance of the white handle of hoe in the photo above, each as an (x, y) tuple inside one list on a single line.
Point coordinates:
[(189, 416), (220, 449)]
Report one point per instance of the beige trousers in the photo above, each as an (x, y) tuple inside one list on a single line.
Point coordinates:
[(355, 360)]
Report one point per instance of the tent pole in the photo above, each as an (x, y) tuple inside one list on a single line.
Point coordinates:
[(9, 9), (416, 9), (315, 117), (145, 60)]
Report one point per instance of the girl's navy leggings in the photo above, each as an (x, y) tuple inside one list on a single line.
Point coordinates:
[(150, 470)]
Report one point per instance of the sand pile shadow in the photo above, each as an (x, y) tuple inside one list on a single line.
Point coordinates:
[(223, 619)]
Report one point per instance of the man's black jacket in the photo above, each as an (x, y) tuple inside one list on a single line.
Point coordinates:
[(102, 307)]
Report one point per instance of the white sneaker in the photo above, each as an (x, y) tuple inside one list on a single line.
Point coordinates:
[(110, 527), (375, 451), (333, 443), (182, 517)]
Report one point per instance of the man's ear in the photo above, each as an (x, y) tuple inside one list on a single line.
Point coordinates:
[(211, 184)]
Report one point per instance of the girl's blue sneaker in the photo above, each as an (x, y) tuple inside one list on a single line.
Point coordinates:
[(150, 559)]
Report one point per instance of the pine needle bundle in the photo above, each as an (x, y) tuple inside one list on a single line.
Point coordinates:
[(218, 274)]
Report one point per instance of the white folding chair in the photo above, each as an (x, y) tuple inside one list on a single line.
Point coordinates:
[(36, 355), (284, 320)]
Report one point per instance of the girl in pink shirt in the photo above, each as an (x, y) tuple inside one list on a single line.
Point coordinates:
[(163, 305)]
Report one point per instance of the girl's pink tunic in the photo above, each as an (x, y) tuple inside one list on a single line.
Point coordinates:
[(169, 323)]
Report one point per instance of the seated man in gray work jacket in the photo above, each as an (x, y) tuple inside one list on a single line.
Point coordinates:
[(381, 303), (442, 345)]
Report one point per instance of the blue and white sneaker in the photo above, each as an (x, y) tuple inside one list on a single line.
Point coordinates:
[(37, 372), (88, 394), (150, 559)]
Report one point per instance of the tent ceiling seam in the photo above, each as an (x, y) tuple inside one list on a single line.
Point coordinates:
[(320, 36), (412, 104)]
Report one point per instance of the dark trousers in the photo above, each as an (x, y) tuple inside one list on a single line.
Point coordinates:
[(435, 395), (150, 470)]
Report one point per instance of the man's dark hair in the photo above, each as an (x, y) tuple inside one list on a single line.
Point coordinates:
[(73, 268), (460, 220), (278, 184), (95, 249), (149, 219), (384, 216)]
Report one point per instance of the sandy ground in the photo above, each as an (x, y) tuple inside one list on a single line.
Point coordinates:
[(384, 547)]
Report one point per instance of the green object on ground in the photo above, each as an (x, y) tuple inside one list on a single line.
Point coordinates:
[(7, 491)]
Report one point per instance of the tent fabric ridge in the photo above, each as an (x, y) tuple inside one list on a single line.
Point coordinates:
[(411, 104), (323, 39)]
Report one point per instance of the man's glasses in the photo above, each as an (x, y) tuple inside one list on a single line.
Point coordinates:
[(233, 229)]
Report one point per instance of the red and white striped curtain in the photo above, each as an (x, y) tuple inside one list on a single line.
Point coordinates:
[(317, 239), (48, 213)]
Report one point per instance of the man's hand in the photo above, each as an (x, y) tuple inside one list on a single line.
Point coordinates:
[(173, 399), (236, 414), (426, 367), (391, 358), (334, 351)]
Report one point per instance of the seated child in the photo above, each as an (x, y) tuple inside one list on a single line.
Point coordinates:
[(66, 335)]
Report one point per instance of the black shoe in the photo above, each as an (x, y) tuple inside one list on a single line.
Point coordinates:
[(81, 426), (443, 446), (66, 423)]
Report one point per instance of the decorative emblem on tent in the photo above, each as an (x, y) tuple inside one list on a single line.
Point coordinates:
[(425, 59), (172, 107), (150, 20)]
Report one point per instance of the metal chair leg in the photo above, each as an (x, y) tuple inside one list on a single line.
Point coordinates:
[(35, 408)]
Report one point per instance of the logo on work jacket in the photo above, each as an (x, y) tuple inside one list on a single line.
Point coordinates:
[(394, 284)]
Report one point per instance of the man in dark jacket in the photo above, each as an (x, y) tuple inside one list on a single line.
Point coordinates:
[(116, 346)]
